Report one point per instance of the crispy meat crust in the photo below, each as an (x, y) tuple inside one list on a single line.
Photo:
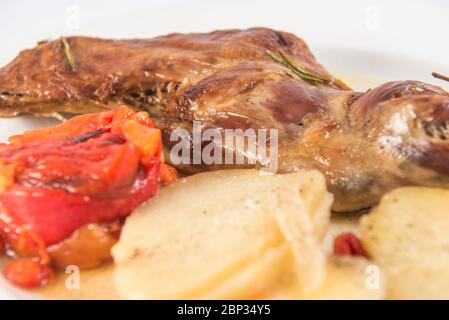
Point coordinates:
[(365, 143)]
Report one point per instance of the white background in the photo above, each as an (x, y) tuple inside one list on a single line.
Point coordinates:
[(412, 27)]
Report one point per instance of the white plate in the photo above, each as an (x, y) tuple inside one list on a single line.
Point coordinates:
[(365, 42)]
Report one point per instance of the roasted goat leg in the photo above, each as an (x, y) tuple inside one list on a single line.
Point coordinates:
[(365, 143)]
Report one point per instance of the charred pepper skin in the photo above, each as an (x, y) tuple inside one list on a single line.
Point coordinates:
[(92, 169)]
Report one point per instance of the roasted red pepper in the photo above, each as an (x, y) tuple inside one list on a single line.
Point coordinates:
[(347, 244), (28, 273), (92, 168), (168, 174), (2, 247)]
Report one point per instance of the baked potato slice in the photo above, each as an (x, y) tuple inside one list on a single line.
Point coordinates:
[(227, 234), (408, 236)]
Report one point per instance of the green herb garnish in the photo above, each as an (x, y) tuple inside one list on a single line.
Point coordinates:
[(295, 68), (68, 54)]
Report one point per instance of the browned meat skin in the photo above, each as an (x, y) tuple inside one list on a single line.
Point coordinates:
[(366, 144)]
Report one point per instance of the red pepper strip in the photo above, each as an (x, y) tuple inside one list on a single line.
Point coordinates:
[(2, 247), (168, 174), (347, 244), (24, 242), (110, 121), (28, 273), (55, 214), (92, 168), (100, 175)]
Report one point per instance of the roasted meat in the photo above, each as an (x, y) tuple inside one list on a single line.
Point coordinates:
[(365, 143)]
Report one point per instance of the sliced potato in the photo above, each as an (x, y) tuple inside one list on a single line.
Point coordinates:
[(347, 278), (408, 236), (254, 280), (350, 278), (228, 234), (314, 193)]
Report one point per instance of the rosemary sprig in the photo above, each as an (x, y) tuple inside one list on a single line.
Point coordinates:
[(295, 68), (42, 42), (440, 76), (68, 54)]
